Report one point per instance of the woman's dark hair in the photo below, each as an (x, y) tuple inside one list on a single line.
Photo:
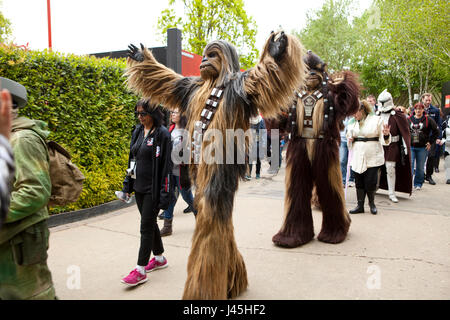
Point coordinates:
[(183, 122), (153, 110)]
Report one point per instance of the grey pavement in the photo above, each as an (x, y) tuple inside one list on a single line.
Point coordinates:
[(400, 253)]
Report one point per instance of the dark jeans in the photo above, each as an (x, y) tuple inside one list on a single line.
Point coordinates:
[(185, 193), (258, 162), (368, 179), (431, 160), (418, 156), (150, 236), (258, 167)]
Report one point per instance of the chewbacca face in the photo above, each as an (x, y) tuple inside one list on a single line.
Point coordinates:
[(316, 67), (313, 79), (211, 63), (219, 59)]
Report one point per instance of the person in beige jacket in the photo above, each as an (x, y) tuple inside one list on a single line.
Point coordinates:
[(366, 136)]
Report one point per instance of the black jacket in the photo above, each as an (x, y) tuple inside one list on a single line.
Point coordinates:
[(426, 129), (162, 190)]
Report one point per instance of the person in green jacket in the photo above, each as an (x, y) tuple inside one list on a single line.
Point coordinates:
[(24, 273)]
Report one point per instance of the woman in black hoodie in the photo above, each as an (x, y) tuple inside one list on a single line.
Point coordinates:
[(149, 166), (423, 133)]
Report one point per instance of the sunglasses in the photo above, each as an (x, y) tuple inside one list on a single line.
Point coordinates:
[(142, 114)]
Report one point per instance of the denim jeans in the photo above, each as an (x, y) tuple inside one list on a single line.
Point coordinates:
[(343, 156), (418, 155), (185, 193)]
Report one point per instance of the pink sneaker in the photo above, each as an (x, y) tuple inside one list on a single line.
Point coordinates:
[(155, 265), (135, 278)]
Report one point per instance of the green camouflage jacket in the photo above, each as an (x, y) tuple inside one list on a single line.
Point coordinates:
[(32, 185)]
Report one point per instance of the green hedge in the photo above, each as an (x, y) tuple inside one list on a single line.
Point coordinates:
[(88, 110)]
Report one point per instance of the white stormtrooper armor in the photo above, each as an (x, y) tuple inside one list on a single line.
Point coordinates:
[(386, 104)]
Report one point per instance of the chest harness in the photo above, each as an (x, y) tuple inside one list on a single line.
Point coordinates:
[(309, 102), (206, 118)]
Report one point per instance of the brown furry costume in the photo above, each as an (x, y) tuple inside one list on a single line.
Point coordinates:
[(216, 269), (313, 156)]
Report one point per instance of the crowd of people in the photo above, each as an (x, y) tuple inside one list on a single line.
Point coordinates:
[(411, 151), (379, 140)]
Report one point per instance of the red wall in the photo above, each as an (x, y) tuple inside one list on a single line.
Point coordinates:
[(190, 64)]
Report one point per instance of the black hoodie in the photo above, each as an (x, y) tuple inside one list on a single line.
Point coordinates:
[(154, 169)]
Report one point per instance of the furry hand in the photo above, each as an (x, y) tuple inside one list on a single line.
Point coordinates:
[(277, 45), (134, 52)]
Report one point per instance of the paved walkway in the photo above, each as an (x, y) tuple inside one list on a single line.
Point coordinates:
[(401, 253)]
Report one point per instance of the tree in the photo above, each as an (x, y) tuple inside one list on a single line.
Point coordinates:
[(329, 34), (207, 20), (412, 42), (5, 27)]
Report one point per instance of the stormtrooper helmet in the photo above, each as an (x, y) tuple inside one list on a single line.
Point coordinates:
[(385, 101)]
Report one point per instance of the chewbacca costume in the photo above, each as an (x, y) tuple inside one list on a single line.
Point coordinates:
[(396, 172), (313, 156), (222, 98)]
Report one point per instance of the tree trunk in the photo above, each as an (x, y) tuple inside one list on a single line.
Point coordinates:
[(426, 76), (408, 84), (407, 80)]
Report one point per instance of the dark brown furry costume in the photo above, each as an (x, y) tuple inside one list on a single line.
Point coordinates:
[(216, 269), (313, 158)]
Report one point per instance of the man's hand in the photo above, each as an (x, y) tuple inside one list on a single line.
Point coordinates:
[(5, 113), (134, 52), (386, 129), (428, 146), (277, 45)]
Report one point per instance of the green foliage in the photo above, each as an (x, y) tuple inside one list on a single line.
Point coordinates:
[(207, 20), (5, 27), (329, 34), (402, 45), (88, 111), (410, 41)]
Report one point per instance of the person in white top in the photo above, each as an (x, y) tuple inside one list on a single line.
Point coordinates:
[(366, 136), (180, 176)]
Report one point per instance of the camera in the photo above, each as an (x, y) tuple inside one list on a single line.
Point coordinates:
[(122, 196), (131, 171)]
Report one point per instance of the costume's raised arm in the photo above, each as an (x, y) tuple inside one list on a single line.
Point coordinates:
[(151, 79), (270, 85), (344, 89)]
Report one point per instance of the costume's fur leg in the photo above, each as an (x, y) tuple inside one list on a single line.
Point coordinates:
[(315, 199), (216, 269), (336, 220), (297, 227)]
